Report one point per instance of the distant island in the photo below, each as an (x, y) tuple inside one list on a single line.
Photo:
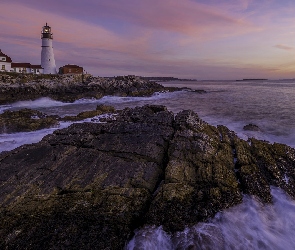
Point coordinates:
[(156, 78), (252, 79), (165, 78), (153, 78)]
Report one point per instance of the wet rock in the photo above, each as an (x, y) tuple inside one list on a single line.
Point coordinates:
[(90, 185), (251, 178), (25, 120), (16, 87), (100, 109), (276, 163), (86, 186), (200, 176)]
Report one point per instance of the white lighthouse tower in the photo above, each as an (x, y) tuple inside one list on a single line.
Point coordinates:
[(47, 56)]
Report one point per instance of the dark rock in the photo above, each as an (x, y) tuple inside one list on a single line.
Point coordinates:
[(70, 88), (90, 185), (251, 127), (251, 178), (25, 120), (199, 179), (100, 109), (277, 163), (86, 186), (200, 91)]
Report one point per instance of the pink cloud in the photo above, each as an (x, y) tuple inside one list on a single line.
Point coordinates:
[(185, 17), (68, 31), (147, 36), (284, 47)]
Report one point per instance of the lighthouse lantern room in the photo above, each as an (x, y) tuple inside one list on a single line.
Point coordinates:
[(47, 56)]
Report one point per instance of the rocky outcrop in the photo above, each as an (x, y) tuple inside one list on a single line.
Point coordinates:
[(84, 187), (200, 177), (90, 185), (100, 109), (16, 87), (25, 120)]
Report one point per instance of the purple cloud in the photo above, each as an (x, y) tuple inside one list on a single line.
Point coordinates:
[(284, 47), (152, 37)]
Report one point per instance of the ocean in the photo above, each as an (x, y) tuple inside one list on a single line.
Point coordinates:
[(268, 104)]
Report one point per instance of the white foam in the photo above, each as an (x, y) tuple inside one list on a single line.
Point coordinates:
[(126, 99), (250, 225), (101, 118), (43, 102), (150, 238), (11, 141)]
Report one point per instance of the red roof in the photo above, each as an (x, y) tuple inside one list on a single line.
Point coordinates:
[(8, 59), (71, 66), (20, 65), (36, 67)]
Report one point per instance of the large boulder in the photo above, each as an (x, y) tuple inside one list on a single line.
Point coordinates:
[(200, 177), (25, 120), (90, 185), (84, 187)]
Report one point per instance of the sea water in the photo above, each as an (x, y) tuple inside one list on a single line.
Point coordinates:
[(250, 225), (268, 104)]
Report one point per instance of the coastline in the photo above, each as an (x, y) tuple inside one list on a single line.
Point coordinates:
[(69, 88)]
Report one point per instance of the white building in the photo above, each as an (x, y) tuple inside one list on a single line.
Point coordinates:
[(36, 69), (26, 68), (47, 56), (6, 65), (5, 62)]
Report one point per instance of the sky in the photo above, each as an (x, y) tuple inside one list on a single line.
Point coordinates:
[(197, 39)]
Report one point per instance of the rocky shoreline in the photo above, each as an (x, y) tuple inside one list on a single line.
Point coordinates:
[(89, 186), (27, 120), (20, 87)]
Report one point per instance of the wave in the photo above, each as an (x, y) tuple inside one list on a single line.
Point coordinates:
[(11, 141), (43, 102), (250, 225)]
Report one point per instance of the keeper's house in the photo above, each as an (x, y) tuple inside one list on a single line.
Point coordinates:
[(6, 65), (71, 69), (5, 62), (26, 68)]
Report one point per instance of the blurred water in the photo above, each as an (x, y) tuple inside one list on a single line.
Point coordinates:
[(250, 225), (268, 104), (14, 140)]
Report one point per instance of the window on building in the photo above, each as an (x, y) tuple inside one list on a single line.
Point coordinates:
[(3, 59), (3, 67)]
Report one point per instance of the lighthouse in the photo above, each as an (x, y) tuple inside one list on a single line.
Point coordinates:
[(47, 56)]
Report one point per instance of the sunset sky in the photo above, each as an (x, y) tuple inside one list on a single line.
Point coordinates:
[(203, 39)]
